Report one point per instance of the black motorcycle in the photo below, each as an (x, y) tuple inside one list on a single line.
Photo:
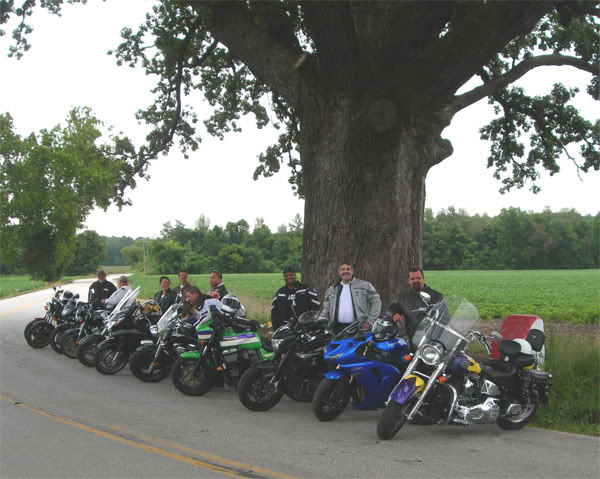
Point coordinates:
[(37, 332), (124, 337), (86, 349), (152, 362), (69, 320), (296, 369), (90, 322)]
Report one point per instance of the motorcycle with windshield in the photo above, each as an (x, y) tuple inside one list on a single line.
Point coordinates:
[(37, 332), (151, 362), (229, 345), (132, 325), (297, 366), (444, 385), (368, 364), (86, 349)]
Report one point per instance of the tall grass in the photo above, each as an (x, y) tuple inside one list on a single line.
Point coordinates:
[(574, 404)]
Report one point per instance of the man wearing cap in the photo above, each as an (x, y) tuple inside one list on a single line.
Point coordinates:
[(117, 296), (292, 299), (101, 289)]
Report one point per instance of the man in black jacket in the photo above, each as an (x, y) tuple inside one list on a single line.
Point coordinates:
[(217, 288), (410, 308), (292, 299), (101, 289)]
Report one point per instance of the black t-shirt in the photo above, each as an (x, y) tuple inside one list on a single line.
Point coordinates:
[(102, 290)]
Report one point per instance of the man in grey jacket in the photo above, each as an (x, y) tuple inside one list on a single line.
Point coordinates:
[(350, 300)]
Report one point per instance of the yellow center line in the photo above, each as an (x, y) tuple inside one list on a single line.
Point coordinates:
[(155, 450), (205, 455)]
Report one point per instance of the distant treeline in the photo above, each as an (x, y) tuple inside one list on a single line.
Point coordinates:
[(453, 239)]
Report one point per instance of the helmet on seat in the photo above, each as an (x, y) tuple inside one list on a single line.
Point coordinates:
[(309, 319), (384, 328), (151, 307), (231, 300)]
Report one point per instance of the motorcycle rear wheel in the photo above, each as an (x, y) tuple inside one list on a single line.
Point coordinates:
[(38, 334), (140, 363), (393, 418), (327, 404), (31, 323), (255, 393), (69, 343), (86, 349), (512, 424), (56, 337), (184, 379), (110, 358)]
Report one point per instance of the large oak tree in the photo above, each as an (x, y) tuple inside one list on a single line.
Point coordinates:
[(363, 91)]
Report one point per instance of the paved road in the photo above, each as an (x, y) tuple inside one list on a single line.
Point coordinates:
[(60, 419)]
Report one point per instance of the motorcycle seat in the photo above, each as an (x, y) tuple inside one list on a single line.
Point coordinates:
[(241, 325), (498, 370)]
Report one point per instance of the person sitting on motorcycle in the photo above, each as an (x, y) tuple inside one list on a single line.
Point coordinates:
[(117, 296), (199, 305), (410, 309)]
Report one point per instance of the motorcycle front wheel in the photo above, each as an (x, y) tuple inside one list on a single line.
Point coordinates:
[(255, 391), (31, 323), (393, 418), (111, 358), (69, 343), (86, 349), (330, 399), (56, 337), (514, 423), (38, 334), (141, 361), (191, 384)]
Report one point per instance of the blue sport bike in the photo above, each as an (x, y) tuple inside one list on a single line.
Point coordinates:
[(369, 365)]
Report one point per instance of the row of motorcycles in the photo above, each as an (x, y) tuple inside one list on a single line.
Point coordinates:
[(433, 380)]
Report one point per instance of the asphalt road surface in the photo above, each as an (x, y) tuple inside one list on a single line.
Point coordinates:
[(59, 419)]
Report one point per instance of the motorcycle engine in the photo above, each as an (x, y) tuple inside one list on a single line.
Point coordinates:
[(477, 402)]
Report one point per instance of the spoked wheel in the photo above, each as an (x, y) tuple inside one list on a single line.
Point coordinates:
[(393, 418), (31, 323), (190, 382), (69, 343), (514, 423), (330, 399), (142, 360), (256, 392), (56, 337), (38, 334), (111, 358), (86, 349)]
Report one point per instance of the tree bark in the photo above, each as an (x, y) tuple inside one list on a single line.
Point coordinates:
[(364, 173)]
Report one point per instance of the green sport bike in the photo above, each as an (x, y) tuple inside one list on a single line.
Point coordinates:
[(229, 345)]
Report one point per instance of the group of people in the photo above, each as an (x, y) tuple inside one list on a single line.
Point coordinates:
[(347, 301), (352, 300)]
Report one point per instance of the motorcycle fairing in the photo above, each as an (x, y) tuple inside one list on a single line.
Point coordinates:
[(335, 374), (377, 384)]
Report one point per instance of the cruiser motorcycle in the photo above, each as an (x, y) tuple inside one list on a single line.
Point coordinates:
[(37, 332), (444, 385)]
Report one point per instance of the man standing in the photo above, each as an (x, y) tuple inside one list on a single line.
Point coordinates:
[(349, 300), (410, 309), (117, 296), (217, 288), (100, 289), (292, 299), (183, 286)]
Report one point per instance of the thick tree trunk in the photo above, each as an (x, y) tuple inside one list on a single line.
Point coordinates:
[(364, 184)]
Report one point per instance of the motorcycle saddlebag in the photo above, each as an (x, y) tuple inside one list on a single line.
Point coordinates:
[(535, 386)]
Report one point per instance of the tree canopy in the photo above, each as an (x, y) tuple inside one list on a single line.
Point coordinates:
[(49, 183)]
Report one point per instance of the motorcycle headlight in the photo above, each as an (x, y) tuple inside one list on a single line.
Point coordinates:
[(431, 355)]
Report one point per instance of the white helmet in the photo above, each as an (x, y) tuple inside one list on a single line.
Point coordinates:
[(525, 346)]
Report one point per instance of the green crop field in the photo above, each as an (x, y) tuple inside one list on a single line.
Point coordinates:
[(11, 285), (555, 295)]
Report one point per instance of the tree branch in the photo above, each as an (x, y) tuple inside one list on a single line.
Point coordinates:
[(267, 56), (462, 101)]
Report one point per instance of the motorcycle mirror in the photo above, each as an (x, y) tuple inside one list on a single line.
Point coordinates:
[(426, 297)]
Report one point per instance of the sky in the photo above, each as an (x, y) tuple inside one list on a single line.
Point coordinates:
[(67, 66)]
